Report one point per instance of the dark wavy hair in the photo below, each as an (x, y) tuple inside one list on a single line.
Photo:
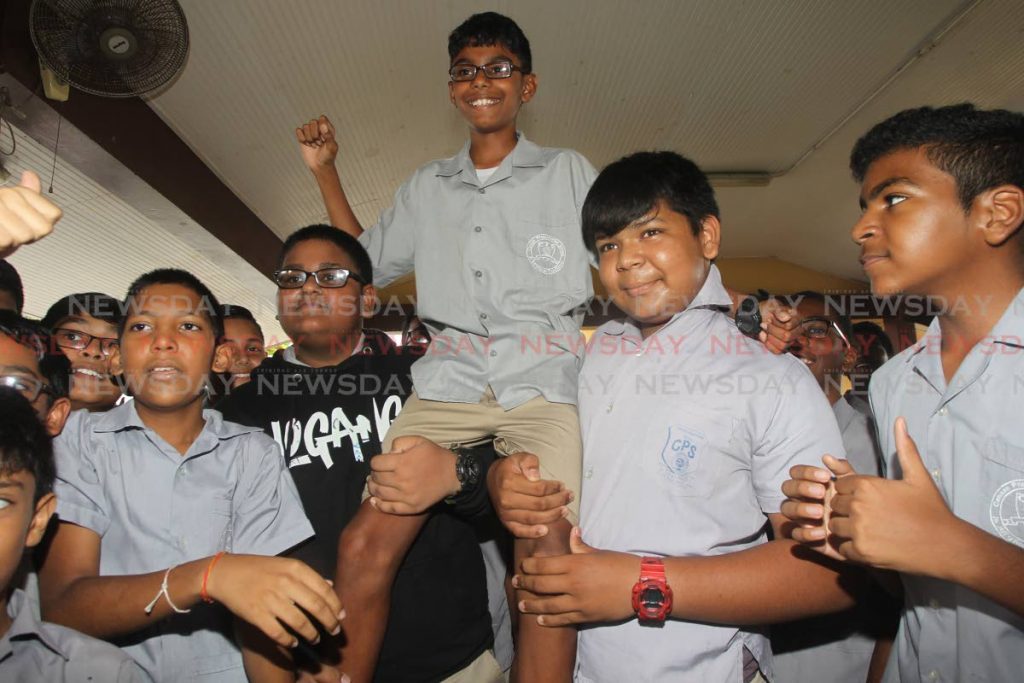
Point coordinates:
[(491, 28)]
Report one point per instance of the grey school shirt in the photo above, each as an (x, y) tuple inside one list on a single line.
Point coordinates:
[(32, 650), (687, 438), (154, 508), (970, 434), (502, 273)]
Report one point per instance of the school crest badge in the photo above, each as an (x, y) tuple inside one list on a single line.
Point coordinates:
[(546, 254), (1007, 512)]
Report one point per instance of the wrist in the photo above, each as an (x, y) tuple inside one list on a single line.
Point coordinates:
[(956, 557), (466, 471), (325, 171)]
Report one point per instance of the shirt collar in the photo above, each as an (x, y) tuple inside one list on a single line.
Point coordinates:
[(25, 626), (125, 417), (288, 355), (524, 154), (712, 295)]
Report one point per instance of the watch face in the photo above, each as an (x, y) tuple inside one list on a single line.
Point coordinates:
[(651, 598)]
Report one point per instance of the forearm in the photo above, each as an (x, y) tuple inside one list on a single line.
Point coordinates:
[(763, 585), (124, 599), (339, 211), (264, 660), (981, 562), (370, 552)]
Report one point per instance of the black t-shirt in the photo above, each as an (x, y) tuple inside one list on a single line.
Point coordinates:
[(329, 422)]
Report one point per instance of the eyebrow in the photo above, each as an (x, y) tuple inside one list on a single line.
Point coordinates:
[(883, 186), (8, 484), (325, 264)]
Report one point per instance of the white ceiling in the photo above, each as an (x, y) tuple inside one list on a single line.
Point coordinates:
[(110, 234), (742, 85)]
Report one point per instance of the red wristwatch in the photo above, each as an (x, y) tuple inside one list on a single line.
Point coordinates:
[(652, 596)]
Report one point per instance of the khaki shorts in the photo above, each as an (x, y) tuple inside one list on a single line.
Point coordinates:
[(483, 669), (551, 431)]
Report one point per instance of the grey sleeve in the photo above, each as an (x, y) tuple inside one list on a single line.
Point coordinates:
[(801, 430), (130, 672), (81, 498), (391, 242), (583, 175), (268, 517)]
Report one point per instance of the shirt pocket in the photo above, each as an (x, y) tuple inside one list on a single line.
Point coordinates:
[(687, 453), (548, 253), (214, 525), (1003, 489)]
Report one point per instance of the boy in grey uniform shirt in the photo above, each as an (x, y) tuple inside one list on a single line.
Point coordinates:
[(943, 197), (31, 650), (688, 428), (157, 496)]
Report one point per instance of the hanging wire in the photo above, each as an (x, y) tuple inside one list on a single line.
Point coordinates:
[(53, 171)]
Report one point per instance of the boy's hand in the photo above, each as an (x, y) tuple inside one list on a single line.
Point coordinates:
[(585, 587), (272, 592), (415, 475), (25, 214), (780, 325), (893, 524), (319, 148), (808, 504), (524, 502)]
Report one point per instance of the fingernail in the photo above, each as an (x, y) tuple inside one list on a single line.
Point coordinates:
[(345, 679), (373, 502), (316, 640), (294, 643), (337, 630), (341, 615), (515, 581), (572, 496), (565, 512), (522, 605)]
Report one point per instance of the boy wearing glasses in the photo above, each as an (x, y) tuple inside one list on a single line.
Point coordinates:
[(493, 234), (835, 646), (329, 400), (84, 327), (29, 367)]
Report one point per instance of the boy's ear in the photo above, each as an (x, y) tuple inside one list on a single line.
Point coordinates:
[(40, 518), (529, 87), (710, 237), (1002, 213), (849, 359), (56, 416), (223, 358), (368, 302)]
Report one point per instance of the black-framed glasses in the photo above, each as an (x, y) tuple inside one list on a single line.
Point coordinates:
[(819, 328), (466, 72), (328, 278), (29, 387), (68, 338)]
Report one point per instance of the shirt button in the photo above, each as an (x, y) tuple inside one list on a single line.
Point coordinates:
[(478, 273), (933, 603), (933, 675), (494, 353), (482, 191), (477, 229), (590, 473), (936, 473), (483, 316), (943, 411), (609, 408), (182, 471)]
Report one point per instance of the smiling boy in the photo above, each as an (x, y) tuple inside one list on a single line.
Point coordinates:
[(158, 499), (679, 488), (942, 194)]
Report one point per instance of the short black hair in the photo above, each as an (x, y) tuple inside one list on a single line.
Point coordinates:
[(209, 306), (95, 304), (490, 28), (980, 148), (54, 366), (10, 281), (344, 241), (875, 335), (832, 310), (628, 189), (25, 445), (229, 311)]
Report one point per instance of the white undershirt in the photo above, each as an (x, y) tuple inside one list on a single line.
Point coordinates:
[(484, 174)]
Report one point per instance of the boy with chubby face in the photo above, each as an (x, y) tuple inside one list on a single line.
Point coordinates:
[(942, 194)]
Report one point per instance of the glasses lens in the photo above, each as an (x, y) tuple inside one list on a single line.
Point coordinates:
[(498, 70), (71, 339), (815, 329), (290, 279), (26, 386), (332, 277), (462, 72)]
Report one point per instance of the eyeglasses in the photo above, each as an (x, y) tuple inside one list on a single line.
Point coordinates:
[(29, 387), (328, 278), (819, 328), (67, 338), (467, 72)]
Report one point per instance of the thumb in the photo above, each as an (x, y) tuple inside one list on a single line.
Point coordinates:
[(529, 464), (576, 544), (30, 181), (908, 455), (326, 129)]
